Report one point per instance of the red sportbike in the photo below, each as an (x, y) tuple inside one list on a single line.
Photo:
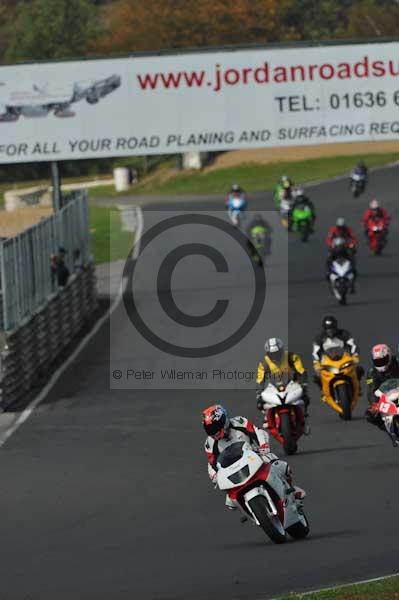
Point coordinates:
[(377, 235), (284, 411)]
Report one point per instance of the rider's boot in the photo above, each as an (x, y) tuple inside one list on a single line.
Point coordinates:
[(300, 494)]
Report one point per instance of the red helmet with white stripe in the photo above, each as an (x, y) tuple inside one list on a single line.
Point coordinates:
[(216, 421), (381, 356)]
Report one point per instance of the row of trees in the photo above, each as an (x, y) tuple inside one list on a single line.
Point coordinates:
[(51, 29)]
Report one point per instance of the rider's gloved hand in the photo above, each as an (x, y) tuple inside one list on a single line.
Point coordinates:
[(266, 455)]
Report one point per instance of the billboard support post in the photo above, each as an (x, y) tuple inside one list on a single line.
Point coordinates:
[(55, 179)]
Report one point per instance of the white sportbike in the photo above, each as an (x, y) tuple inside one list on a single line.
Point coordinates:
[(284, 411), (261, 492), (236, 210), (388, 408), (341, 278)]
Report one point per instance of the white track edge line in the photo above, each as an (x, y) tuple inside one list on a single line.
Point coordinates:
[(27, 412), (337, 587)]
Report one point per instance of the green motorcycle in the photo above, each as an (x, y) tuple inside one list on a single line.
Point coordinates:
[(260, 241), (302, 221)]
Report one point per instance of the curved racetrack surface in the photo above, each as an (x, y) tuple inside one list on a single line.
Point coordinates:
[(104, 493)]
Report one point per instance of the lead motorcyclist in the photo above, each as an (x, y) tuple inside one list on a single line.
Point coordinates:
[(385, 366), (222, 432), (280, 365), (325, 339), (336, 233)]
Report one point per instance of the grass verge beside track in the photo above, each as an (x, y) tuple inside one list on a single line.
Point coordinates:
[(383, 589), (252, 176), (108, 240)]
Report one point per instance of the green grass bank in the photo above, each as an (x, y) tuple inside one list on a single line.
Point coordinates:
[(385, 589), (251, 176)]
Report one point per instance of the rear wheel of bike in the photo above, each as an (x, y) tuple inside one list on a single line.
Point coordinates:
[(380, 246), (299, 530), (289, 445), (344, 400), (271, 525), (342, 292), (304, 232)]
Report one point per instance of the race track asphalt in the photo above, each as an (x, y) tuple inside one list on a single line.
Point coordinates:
[(104, 492)]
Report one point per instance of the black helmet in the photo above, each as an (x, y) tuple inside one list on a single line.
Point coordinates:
[(330, 325), (361, 165), (258, 219)]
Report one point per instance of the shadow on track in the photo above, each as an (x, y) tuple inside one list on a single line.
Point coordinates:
[(334, 534), (266, 543), (338, 449)]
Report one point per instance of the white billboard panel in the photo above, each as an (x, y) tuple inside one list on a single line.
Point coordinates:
[(199, 101)]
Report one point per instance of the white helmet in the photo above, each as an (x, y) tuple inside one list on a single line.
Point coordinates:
[(374, 204), (274, 349), (340, 222), (381, 356)]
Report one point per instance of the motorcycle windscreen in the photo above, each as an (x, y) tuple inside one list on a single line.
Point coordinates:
[(391, 385), (241, 475), (335, 353), (231, 455)]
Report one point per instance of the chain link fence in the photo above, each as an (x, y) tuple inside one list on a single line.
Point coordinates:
[(26, 279)]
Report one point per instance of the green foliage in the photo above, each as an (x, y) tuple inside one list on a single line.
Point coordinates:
[(318, 19), (54, 29), (50, 29)]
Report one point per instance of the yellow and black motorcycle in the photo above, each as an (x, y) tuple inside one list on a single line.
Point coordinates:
[(339, 381)]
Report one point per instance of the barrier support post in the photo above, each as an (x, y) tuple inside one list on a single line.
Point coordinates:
[(55, 178)]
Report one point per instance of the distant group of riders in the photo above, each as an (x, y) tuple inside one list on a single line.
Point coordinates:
[(298, 213)]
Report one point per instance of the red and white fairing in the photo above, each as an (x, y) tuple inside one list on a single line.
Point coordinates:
[(388, 408), (250, 477)]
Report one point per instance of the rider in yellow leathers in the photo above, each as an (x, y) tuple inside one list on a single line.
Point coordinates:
[(280, 364)]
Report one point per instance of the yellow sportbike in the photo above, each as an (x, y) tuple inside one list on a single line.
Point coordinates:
[(339, 381)]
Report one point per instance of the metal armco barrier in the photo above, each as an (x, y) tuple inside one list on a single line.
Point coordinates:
[(25, 259), (29, 351)]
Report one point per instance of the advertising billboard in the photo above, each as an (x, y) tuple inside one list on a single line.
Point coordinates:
[(203, 101)]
